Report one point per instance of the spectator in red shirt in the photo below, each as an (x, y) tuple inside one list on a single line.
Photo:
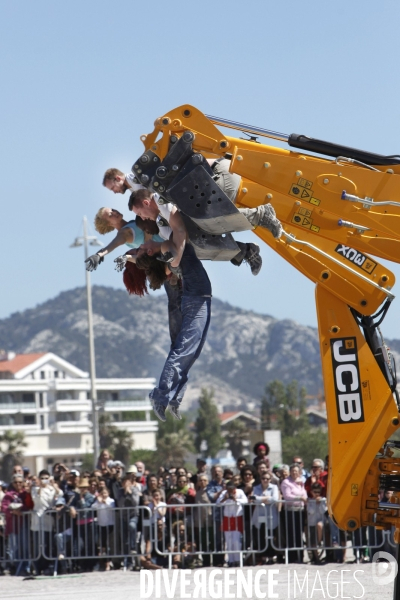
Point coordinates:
[(316, 477), (16, 501)]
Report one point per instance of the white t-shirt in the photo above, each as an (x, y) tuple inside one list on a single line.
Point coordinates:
[(130, 180), (105, 512), (155, 515), (164, 217)]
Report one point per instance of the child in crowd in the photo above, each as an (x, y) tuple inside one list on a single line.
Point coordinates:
[(261, 450), (316, 509), (106, 521), (232, 500)]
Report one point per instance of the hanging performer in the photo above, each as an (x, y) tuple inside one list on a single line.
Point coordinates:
[(118, 182), (133, 234), (196, 313)]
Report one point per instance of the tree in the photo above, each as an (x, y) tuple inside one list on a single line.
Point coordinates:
[(308, 444), (14, 442), (237, 434), (106, 430), (208, 425), (173, 447), (122, 446), (284, 407), (119, 442), (151, 459), (172, 426)]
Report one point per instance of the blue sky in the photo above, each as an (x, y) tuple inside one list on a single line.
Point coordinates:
[(81, 81)]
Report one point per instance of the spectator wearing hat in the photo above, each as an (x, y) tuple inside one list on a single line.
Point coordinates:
[(275, 474), (129, 497), (16, 501), (261, 451), (84, 524)]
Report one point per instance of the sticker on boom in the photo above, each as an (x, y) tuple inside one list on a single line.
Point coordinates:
[(356, 257), (304, 193), (346, 374)]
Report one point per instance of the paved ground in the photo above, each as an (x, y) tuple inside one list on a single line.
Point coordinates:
[(323, 582)]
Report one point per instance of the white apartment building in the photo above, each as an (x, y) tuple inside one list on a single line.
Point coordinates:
[(48, 399)]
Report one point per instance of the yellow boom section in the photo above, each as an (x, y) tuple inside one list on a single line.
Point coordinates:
[(335, 213)]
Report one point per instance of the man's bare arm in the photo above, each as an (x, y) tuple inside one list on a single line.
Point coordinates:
[(179, 236)]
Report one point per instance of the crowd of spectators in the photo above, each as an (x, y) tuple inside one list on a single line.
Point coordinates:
[(201, 519)]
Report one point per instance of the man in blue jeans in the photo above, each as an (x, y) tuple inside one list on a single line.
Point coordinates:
[(196, 313)]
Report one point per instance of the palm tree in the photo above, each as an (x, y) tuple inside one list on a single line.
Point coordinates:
[(122, 445), (119, 442), (173, 448), (106, 431), (15, 443)]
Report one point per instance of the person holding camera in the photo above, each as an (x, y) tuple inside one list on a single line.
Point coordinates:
[(44, 498), (232, 499)]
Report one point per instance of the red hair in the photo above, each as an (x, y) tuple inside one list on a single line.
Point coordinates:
[(134, 280)]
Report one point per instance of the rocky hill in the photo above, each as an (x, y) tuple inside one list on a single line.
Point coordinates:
[(243, 352)]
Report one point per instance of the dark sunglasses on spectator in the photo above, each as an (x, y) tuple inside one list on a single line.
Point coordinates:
[(248, 474)]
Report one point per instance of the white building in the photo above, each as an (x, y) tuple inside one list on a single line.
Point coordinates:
[(48, 399)]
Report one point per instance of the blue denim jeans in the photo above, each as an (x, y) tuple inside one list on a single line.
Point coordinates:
[(196, 313), (174, 294), (133, 527)]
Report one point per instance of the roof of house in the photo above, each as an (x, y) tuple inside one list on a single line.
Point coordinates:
[(229, 416), (19, 362)]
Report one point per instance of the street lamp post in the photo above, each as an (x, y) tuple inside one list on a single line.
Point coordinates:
[(83, 241)]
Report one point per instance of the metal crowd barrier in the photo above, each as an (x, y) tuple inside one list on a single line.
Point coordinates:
[(186, 535), (20, 547)]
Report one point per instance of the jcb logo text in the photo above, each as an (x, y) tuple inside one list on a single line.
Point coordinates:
[(347, 380)]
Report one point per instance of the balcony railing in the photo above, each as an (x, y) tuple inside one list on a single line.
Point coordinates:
[(137, 426), (73, 405), (71, 427), (110, 405), (34, 427), (14, 407)]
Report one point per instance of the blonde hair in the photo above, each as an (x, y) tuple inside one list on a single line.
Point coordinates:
[(100, 223)]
